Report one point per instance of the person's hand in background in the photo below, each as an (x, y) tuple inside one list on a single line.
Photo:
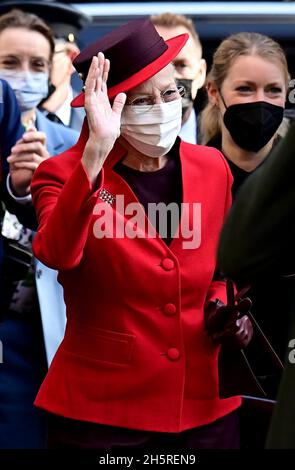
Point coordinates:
[(26, 156)]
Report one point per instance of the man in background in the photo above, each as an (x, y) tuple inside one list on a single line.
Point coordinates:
[(190, 67)]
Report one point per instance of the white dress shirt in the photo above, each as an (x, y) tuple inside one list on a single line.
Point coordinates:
[(188, 131)]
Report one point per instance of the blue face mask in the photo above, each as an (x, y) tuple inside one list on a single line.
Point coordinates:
[(30, 88)]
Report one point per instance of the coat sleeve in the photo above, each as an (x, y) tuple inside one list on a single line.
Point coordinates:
[(258, 237), (64, 201), (24, 212)]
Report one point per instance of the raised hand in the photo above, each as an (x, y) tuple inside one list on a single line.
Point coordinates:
[(104, 119)]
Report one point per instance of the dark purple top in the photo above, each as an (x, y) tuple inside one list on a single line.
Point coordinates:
[(164, 185)]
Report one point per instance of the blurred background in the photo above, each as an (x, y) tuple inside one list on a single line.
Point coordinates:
[(213, 21)]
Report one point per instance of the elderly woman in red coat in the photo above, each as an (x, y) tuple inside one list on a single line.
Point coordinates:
[(136, 366)]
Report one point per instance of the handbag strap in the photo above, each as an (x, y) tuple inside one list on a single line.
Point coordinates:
[(268, 346)]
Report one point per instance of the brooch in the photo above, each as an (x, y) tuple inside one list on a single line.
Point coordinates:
[(106, 196)]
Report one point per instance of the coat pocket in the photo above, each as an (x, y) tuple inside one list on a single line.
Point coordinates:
[(99, 344)]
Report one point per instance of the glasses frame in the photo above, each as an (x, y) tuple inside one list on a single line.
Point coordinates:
[(181, 91)]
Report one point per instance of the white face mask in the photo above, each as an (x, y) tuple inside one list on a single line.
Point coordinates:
[(152, 129), (30, 88)]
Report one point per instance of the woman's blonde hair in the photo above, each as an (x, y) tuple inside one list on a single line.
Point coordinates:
[(228, 51)]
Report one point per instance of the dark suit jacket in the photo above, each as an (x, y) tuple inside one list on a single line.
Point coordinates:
[(258, 240), (10, 131), (10, 126)]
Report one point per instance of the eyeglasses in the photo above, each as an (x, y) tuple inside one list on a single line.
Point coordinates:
[(171, 94)]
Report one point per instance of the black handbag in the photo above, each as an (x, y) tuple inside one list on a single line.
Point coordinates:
[(236, 367), (238, 375)]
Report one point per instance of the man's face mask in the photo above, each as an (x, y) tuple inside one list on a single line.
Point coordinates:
[(152, 129), (252, 125), (29, 87), (187, 100)]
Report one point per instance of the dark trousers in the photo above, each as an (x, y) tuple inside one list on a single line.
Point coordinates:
[(22, 425), (70, 434)]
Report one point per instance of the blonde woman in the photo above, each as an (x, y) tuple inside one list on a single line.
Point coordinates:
[(247, 88)]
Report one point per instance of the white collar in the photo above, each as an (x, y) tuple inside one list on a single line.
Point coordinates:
[(188, 131), (64, 111)]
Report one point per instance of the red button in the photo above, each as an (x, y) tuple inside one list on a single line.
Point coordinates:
[(173, 354), (170, 309), (168, 264)]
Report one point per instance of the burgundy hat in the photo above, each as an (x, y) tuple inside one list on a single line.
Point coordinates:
[(136, 52)]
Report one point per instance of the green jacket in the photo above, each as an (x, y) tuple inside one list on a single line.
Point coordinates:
[(258, 240)]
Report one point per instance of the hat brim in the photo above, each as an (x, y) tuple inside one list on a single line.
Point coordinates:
[(174, 47)]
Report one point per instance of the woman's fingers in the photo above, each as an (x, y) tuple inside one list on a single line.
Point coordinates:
[(245, 333), (105, 75), (30, 147), (100, 65), (32, 136), (119, 103), (89, 82), (24, 157), (97, 77), (103, 119), (26, 166)]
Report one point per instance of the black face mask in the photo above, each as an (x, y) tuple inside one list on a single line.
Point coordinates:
[(187, 100), (252, 125)]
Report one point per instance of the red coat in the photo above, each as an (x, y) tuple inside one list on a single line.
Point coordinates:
[(135, 352)]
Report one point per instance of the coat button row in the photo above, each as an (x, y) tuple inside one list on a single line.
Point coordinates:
[(170, 309), (168, 264), (173, 354)]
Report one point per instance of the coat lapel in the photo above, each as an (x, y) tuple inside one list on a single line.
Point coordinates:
[(54, 138)]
